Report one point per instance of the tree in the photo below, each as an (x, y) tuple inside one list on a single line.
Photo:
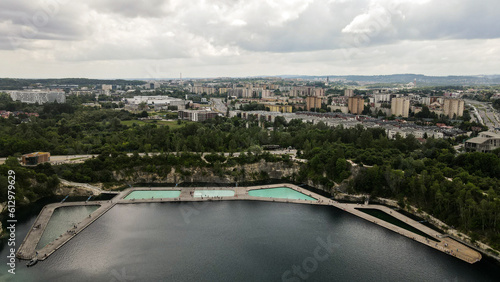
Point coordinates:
[(143, 106)]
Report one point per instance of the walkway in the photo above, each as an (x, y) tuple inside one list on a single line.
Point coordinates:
[(94, 189), (28, 250)]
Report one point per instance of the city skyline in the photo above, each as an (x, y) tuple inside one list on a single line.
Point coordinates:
[(161, 39)]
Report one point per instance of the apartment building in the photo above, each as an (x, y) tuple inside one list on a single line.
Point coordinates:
[(356, 105), (400, 107)]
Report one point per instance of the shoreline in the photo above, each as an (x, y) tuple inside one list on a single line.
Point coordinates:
[(27, 249)]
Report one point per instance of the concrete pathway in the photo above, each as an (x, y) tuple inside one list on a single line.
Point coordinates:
[(28, 250)]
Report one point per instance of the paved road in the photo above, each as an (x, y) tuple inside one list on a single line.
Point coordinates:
[(219, 106), (487, 114)]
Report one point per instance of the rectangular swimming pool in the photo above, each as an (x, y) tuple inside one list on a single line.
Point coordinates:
[(158, 194), (280, 193)]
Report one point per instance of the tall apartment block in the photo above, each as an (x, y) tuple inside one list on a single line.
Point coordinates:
[(356, 105), (400, 107), (453, 107)]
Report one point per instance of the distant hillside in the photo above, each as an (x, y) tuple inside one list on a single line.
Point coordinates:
[(422, 80), (15, 83)]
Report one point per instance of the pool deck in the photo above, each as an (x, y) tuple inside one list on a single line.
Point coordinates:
[(27, 248)]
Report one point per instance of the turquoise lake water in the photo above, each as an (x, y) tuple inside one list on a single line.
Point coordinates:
[(62, 220), (213, 193), (280, 193), (161, 194)]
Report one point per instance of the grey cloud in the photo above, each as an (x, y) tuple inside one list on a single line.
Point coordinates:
[(131, 8), (454, 19), (320, 26), (316, 28), (257, 35), (24, 23), (434, 20)]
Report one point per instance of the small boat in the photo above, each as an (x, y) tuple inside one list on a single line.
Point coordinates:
[(32, 262)]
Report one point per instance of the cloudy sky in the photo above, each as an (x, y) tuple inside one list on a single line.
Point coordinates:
[(212, 38)]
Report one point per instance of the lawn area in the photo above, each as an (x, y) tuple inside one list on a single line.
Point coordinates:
[(171, 124)]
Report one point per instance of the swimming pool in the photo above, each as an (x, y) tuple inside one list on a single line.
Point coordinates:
[(280, 193), (158, 194)]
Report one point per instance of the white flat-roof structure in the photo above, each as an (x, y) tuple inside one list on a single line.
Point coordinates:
[(156, 100), (38, 96)]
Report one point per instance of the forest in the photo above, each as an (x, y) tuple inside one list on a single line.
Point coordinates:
[(462, 189)]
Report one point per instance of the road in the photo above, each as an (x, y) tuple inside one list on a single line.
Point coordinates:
[(485, 113), (218, 105), (73, 159)]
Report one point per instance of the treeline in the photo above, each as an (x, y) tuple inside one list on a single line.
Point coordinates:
[(30, 184), (460, 189), (16, 83)]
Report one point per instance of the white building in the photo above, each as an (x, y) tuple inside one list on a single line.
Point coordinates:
[(38, 96), (158, 100)]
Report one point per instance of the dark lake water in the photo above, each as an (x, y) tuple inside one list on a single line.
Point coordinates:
[(241, 241)]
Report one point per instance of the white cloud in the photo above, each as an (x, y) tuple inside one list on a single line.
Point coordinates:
[(377, 18), (248, 37), (238, 22)]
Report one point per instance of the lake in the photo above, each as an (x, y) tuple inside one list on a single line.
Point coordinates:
[(241, 241)]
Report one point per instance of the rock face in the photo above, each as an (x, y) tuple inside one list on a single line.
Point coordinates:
[(72, 191), (249, 172)]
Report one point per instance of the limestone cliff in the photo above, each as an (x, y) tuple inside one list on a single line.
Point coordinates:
[(240, 173)]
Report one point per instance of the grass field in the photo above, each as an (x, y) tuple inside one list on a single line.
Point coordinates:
[(171, 124)]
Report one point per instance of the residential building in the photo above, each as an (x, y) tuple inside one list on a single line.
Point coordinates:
[(453, 108), (356, 105), (485, 142), (107, 87), (280, 108), (400, 107), (349, 92), (307, 91), (313, 102), (196, 115)]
